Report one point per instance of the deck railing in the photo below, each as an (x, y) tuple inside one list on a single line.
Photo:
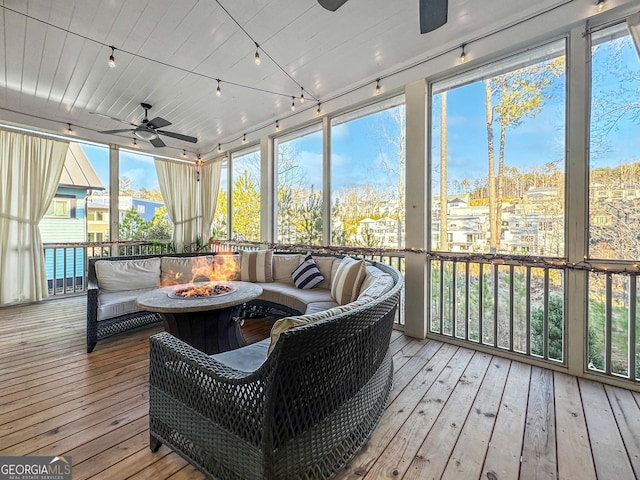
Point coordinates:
[(518, 308)]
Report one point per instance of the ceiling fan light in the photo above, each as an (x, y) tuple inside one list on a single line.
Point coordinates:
[(143, 134)]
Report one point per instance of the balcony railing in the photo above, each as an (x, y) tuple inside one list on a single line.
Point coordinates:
[(517, 308)]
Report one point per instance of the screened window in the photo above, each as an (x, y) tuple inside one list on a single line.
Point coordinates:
[(299, 187), (139, 181), (614, 186), (498, 166), (245, 190), (368, 160)]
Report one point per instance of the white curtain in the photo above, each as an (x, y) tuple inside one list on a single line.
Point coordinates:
[(633, 22), (30, 169), (178, 185), (209, 187)]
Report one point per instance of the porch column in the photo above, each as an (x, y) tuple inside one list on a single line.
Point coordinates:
[(417, 191), (114, 197), (267, 190)]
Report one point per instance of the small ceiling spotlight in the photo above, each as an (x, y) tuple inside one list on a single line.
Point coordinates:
[(293, 104), (218, 91), (301, 95), (463, 56), (600, 5), (244, 138), (378, 88), (277, 125), (256, 57), (318, 111), (219, 147), (112, 59)]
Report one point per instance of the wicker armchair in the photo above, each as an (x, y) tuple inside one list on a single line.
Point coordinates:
[(303, 414)]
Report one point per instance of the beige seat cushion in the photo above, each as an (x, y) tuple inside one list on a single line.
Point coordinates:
[(245, 359), (114, 304), (293, 297), (122, 275)]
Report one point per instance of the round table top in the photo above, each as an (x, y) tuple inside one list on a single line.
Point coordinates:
[(158, 300)]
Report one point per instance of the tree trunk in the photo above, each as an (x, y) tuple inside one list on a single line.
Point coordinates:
[(444, 244), (493, 234)]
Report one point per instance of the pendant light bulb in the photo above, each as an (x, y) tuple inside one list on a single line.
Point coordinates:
[(600, 5), (218, 91), (135, 143), (219, 147), (69, 129), (293, 104), (244, 138), (277, 125), (301, 95), (378, 88), (112, 58), (256, 57), (463, 56), (318, 111), (184, 153)]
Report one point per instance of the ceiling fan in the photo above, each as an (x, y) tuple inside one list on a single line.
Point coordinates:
[(433, 13), (149, 130)]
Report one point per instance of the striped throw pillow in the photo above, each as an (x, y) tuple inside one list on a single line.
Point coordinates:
[(345, 285), (256, 266), (307, 275)]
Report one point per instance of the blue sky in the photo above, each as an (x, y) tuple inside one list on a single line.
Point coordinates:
[(358, 146)]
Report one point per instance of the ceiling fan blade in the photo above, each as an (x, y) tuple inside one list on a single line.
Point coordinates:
[(112, 118), (179, 136), (433, 14), (118, 131), (158, 122), (332, 5), (157, 142)]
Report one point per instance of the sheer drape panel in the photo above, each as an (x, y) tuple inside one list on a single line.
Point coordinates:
[(633, 22), (209, 187), (178, 186), (30, 169)]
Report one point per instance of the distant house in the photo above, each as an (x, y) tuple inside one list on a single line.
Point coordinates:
[(378, 233), (66, 219)]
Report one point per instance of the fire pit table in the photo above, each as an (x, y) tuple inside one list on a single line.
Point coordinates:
[(202, 314)]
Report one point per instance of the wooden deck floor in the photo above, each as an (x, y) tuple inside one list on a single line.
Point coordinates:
[(454, 413)]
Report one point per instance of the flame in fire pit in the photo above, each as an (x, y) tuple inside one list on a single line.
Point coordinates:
[(202, 291)]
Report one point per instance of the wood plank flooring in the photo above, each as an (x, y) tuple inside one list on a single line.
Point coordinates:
[(453, 414)]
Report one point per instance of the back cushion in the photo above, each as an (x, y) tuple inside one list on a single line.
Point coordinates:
[(283, 265), (226, 266), (345, 286), (121, 275), (177, 270), (326, 267), (256, 266), (376, 283)]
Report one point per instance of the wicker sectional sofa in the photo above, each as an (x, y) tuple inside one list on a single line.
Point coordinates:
[(299, 404)]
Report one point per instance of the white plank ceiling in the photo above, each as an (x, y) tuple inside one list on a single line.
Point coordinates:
[(53, 59)]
